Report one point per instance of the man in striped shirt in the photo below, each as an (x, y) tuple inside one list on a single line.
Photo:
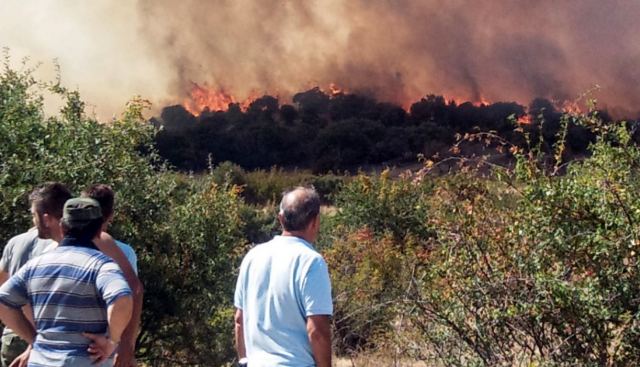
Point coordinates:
[(74, 290)]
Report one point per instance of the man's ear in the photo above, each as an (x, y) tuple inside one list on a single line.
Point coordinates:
[(315, 223), (46, 220), (50, 220)]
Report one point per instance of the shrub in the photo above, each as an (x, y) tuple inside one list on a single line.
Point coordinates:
[(379, 226), (262, 187), (228, 172), (365, 273), (526, 266), (536, 267), (384, 205)]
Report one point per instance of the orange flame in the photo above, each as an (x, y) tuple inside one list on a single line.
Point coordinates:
[(571, 107), (480, 102), (202, 98), (334, 90), (524, 119)]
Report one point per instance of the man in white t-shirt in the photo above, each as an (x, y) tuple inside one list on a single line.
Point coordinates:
[(104, 195), (283, 293)]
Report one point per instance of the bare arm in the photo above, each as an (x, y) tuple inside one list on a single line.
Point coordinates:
[(118, 316), (319, 332), (108, 246), (15, 319), (239, 332), (4, 276), (27, 310)]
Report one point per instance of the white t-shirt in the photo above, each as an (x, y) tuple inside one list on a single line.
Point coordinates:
[(280, 284)]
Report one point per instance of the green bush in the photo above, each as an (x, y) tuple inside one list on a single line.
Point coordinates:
[(525, 267), (379, 225), (229, 172), (262, 187), (365, 273), (383, 204)]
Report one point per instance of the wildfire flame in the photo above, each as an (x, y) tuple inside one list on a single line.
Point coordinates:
[(524, 119), (571, 107), (480, 102), (334, 90), (203, 98)]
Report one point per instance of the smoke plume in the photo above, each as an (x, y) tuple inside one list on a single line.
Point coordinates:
[(395, 50)]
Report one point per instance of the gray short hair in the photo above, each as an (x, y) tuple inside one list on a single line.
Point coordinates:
[(299, 207)]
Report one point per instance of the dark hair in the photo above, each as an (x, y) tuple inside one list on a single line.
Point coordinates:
[(299, 207), (50, 198), (84, 233), (104, 195)]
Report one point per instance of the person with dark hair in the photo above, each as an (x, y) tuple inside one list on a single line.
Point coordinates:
[(105, 196), (46, 209), (78, 294), (283, 292)]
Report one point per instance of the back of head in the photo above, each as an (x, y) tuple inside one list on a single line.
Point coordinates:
[(81, 219), (298, 208), (104, 195), (50, 198)]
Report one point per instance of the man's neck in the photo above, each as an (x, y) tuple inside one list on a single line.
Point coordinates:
[(57, 237), (72, 241), (300, 234)]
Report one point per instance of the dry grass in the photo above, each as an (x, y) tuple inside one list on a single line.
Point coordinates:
[(375, 360)]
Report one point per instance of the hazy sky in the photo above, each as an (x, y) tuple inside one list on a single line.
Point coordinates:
[(100, 45), (397, 50)]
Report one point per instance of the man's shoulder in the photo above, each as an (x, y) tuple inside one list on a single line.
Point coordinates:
[(258, 251), (295, 242), (59, 256), (83, 256), (302, 248), (23, 238), (258, 247), (16, 251), (125, 247), (291, 247), (130, 254)]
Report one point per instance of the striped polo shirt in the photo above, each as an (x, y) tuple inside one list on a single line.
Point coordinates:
[(70, 289)]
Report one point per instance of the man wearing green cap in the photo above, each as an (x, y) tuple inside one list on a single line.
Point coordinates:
[(74, 290)]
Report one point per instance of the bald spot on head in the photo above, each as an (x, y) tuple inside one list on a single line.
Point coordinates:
[(298, 208)]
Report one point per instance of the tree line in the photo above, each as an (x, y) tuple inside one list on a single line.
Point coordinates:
[(344, 131)]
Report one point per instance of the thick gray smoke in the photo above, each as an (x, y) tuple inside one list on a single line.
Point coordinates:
[(397, 50)]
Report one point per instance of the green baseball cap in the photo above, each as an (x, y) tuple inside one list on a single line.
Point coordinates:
[(77, 212)]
